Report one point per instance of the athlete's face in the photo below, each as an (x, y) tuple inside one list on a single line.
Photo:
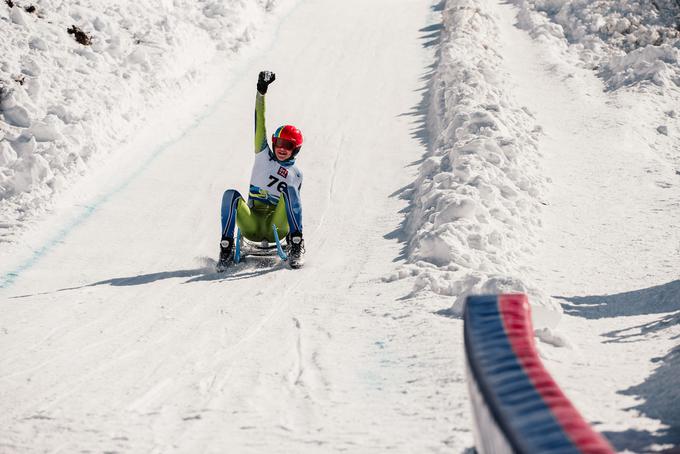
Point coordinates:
[(282, 153), (283, 149)]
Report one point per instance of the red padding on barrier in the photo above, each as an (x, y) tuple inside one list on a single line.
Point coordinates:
[(516, 316)]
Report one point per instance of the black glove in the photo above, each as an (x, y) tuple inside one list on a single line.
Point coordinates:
[(263, 81)]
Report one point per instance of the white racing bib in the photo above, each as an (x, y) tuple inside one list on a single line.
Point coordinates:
[(269, 178)]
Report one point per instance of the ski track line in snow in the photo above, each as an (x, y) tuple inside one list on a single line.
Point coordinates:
[(276, 307), (331, 190), (7, 279)]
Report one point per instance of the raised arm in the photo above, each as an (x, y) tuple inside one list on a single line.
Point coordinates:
[(264, 79)]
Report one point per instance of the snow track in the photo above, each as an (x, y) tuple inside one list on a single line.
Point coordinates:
[(117, 335), (120, 337)]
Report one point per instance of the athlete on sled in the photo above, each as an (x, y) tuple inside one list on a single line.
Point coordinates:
[(273, 209)]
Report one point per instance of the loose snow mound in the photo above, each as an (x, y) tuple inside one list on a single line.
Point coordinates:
[(77, 78), (629, 41), (476, 201)]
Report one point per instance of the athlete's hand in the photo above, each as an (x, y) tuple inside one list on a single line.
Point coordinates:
[(263, 81)]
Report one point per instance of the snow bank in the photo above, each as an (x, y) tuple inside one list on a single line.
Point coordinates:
[(77, 78), (476, 203), (628, 41)]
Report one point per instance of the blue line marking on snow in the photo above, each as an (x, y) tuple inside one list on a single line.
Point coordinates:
[(8, 278), (11, 276)]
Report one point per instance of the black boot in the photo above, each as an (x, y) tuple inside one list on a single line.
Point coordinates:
[(226, 254), (297, 249)]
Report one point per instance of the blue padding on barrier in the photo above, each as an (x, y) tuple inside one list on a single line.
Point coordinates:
[(516, 406)]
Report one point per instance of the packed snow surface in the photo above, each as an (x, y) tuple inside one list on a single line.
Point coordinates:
[(459, 147)]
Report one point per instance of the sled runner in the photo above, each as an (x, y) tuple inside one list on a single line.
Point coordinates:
[(245, 247)]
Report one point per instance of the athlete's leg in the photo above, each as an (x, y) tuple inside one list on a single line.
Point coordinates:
[(280, 219), (248, 221), (230, 200), (294, 214), (293, 208)]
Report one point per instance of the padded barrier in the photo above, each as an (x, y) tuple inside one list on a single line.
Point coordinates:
[(517, 406)]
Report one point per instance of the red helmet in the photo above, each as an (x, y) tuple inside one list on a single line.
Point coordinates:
[(288, 136)]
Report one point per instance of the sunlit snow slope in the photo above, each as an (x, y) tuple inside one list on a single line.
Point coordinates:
[(118, 336)]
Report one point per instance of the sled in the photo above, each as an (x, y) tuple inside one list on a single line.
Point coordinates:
[(247, 248)]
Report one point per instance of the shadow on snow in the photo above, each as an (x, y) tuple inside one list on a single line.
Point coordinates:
[(658, 394), (653, 300), (248, 269), (660, 401)]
